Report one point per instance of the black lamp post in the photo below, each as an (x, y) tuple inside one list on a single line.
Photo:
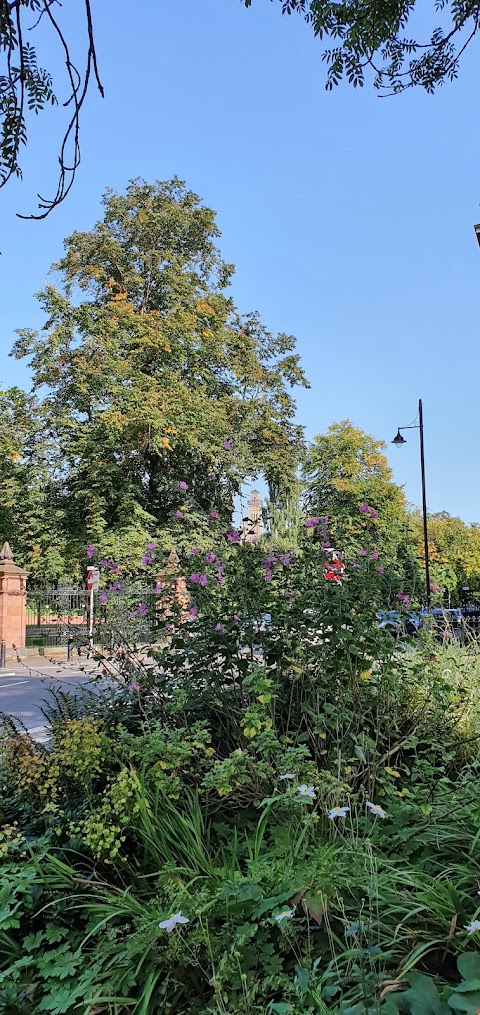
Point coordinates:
[(398, 441)]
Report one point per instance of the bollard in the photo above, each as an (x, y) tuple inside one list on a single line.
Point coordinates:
[(69, 651), (3, 655)]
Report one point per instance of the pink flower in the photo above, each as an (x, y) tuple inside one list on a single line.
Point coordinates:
[(194, 578), (209, 558), (133, 687), (227, 445), (364, 509), (143, 609), (90, 551), (219, 576), (435, 588), (203, 580), (158, 587), (363, 553), (372, 513), (233, 536), (183, 485), (193, 611), (219, 628), (325, 545), (311, 522), (178, 514), (215, 516), (151, 547), (380, 570), (195, 551), (375, 554), (268, 576)]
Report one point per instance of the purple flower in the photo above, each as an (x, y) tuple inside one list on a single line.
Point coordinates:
[(146, 559), (219, 576), (151, 547), (194, 578), (183, 485), (178, 514), (435, 588), (193, 611), (311, 523), (114, 568), (133, 687), (195, 551), (90, 551), (104, 563), (219, 628), (209, 558), (375, 554), (364, 509), (269, 561), (363, 553), (143, 609), (115, 587), (202, 580), (325, 545), (372, 513), (380, 570), (227, 445), (133, 613), (268, 576), (355, 564), (158, 587), (285, 558), (215, 516), (237, 616), (233, 536), (103, 597)]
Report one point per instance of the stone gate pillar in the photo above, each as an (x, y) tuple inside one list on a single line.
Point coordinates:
[(13, 602)]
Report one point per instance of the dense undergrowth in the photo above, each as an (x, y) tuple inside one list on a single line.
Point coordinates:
[(258, 817)]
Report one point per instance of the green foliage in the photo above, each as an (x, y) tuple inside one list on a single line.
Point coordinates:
[(178, 843), (141, 339), (374, 36), (346, 468)]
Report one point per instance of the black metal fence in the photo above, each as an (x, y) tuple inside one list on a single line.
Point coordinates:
[(59, 615)]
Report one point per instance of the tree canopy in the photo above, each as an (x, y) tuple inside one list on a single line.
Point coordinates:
[(153, 378), (346, 472), (381, 36)]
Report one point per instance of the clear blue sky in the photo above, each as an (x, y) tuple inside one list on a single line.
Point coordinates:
[(349, 217)]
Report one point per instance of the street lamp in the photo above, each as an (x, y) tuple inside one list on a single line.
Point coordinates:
[(398, 440)]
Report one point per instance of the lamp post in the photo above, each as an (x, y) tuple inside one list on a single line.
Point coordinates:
[(398, 440)]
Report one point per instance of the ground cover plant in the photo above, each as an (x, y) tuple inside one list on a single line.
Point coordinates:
[(274, 809)]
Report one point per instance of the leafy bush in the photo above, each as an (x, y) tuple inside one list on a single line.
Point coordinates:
[(274, 810)]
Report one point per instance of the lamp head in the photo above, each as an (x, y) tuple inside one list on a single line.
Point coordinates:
[(398, 440)]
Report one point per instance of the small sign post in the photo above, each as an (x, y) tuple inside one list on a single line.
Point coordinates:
[(93, 582)]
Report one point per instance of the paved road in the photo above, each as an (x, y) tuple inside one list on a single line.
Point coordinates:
[(23, 689)]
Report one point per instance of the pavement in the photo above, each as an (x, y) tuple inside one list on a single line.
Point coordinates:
[(24, 689)]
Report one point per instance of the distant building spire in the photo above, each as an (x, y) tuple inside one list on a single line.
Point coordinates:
[(252, 525)]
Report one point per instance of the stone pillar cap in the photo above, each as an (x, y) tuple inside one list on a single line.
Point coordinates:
[(7, 565)]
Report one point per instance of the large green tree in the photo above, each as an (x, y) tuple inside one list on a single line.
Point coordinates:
[(454, 553), (153, 377), (345, 472)]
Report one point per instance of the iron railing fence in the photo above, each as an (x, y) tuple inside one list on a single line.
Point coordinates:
[(59, 615)]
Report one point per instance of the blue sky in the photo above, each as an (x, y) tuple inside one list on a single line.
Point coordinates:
[(349, 217)]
